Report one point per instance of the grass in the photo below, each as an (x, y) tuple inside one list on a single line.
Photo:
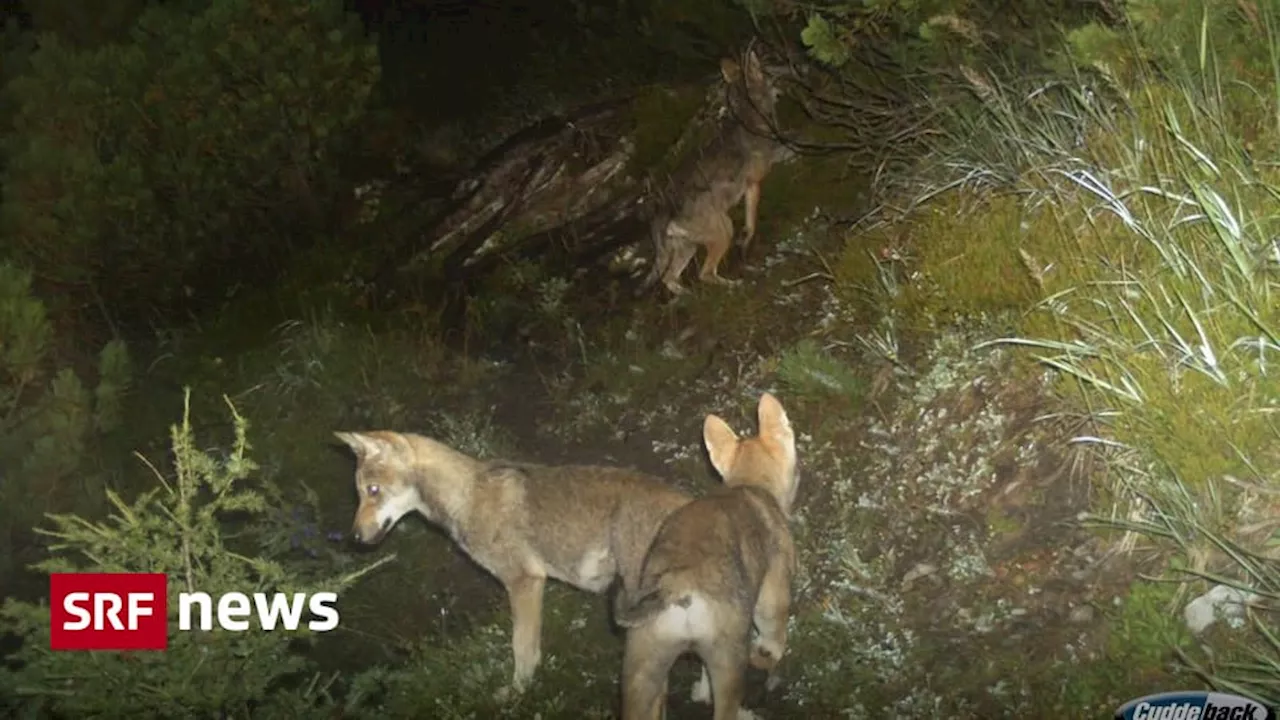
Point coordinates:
[(1139, 244)]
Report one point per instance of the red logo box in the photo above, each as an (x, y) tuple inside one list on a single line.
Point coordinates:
[(108, 611)]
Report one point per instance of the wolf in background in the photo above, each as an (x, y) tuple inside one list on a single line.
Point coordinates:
[(694, 210), (717, 567)]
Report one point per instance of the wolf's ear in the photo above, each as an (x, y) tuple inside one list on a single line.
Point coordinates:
[(730, 70), (721, 442), (362, 445), (775, 426), (753, 63)]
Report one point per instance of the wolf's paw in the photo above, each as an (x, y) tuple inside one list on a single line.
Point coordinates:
[(723, 282), (508, 694), (764, 656), (745, 714)]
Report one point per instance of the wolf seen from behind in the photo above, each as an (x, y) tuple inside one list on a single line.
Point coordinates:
[(717, 567)]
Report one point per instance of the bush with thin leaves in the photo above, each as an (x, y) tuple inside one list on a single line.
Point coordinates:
[(175, 528), (1149, 228)]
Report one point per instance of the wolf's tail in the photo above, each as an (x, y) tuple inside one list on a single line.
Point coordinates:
[(658, 221), (632, 609)]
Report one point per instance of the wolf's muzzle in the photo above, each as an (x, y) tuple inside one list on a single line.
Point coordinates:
[(361, 535)]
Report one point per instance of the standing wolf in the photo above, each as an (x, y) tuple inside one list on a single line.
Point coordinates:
[(523, 523), (717, 566), (730, 168)]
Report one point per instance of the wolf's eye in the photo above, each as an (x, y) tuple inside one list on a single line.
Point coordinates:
[(372, 489)]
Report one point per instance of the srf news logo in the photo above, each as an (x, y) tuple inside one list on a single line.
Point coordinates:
[(130, 611)]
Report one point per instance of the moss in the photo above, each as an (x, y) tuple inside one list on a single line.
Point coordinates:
[(861, 271), (966, 254), (1001, 525), (792, 191), (1139, 636), (1196, 428), (733, 316)]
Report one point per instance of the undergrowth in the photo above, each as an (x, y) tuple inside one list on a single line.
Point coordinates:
[(1122, 224)]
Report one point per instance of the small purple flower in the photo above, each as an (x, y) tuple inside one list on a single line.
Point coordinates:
[(334, 536), (294, 541)]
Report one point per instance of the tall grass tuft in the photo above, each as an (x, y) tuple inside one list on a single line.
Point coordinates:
[(1151, 226)]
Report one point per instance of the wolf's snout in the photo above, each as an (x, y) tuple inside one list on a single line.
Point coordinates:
[(368, 535)]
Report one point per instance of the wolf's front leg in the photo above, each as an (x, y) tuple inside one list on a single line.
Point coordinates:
[(525, 594)]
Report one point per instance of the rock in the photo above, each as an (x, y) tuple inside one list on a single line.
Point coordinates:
[(919, 571), (1221, 600), (1081, 614)]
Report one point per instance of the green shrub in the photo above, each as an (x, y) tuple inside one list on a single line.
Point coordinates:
[(147, 171), (175, 527), (1182, 40), (924, 33), (84, 23), (808, 370), (49, 420)]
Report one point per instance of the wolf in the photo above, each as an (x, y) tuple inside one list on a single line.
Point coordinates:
[(522, 522), (695, 210), (718, 566)]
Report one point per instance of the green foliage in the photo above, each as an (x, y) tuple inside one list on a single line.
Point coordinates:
[(1148, 226), (175, 527), (662, 117), (1143, 630), (161, 162), (1183, 39), (928, 33), (973, 264), (459, 681), (693, 28), (820, 37), (464, 676), (47, 424), (15, 49), (835, 28), (84, 23), (810, 371)]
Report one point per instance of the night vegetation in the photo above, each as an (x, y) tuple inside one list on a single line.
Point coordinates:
[(1015, 291)]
